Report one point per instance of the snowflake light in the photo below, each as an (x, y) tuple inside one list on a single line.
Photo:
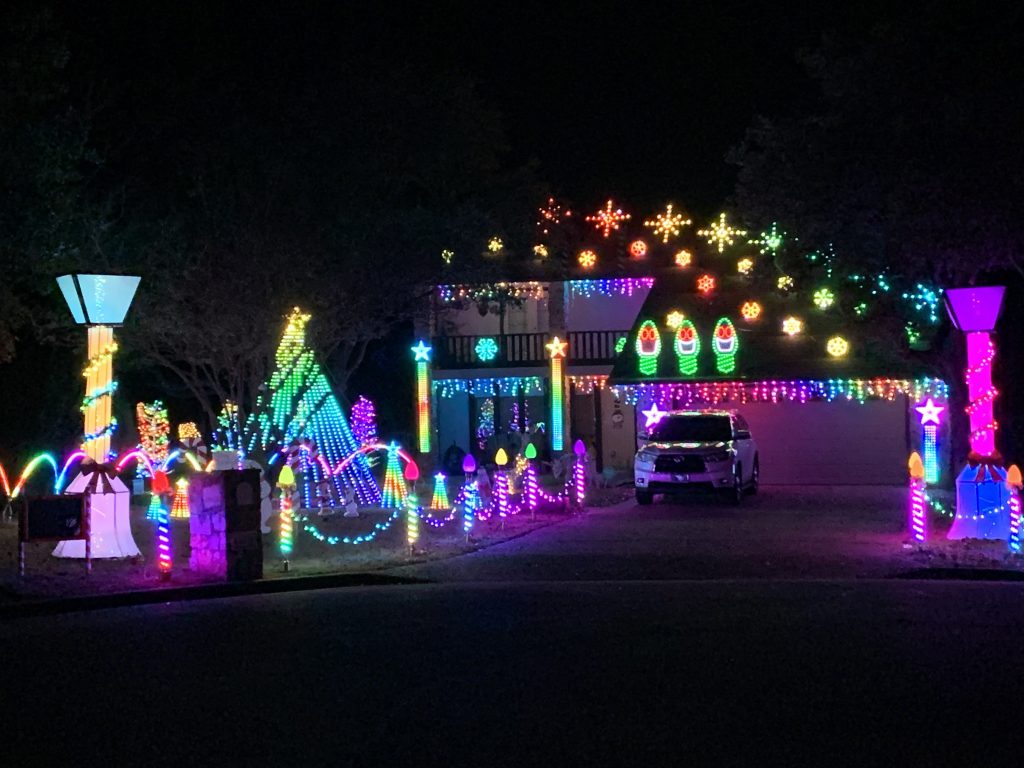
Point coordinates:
[(540, 250), (447, 256), (785, 283), (551, 215), (720, 233), (750, 310), (705, 284), (684, 258), (824, 298), (837, 346), (494, 244), (674, 319), (486, 349), (744, 266), (608, 218), (638, 249), (587, 259), (667, 225), (771, 240), (791, 326)]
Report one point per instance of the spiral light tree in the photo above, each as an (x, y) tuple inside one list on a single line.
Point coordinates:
[(100, 302), (982, 498)]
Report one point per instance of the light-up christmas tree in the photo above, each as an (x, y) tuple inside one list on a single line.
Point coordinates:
[(300, 404)]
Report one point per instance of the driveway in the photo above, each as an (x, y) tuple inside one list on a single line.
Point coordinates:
[(785, 532)]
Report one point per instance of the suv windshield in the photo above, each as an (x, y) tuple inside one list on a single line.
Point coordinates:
[(692, 429)]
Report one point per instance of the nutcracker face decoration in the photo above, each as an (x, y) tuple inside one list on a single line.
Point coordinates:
[(726, 344), (648, 347), (687, 346)]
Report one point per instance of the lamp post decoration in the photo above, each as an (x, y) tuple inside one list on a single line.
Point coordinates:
[(982, 497)]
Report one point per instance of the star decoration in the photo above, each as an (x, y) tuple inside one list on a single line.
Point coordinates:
[(494, 244), (705, 283), (556, 348), (785, 283), (750, 310), (791, 326), (745, 265), (929, 412), (653, 415), (551, 215), (421, 352), (684, 258), (720, 233), (608, 219), (674, 319), (540, 250), (770, 240), (447, 256), (667, 225), (587, 259)]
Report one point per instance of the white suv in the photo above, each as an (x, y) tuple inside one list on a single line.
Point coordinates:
[(709, 448)]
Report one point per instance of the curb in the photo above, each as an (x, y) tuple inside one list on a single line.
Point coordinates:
[(51, 607)]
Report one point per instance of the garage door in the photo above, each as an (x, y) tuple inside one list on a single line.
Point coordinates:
[(841, 442)]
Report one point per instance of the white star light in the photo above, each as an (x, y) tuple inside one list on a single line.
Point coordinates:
[(929, 412), (653, 415), (422, 352)]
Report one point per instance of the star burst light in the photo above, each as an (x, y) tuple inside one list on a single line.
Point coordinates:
[(770, 240), (494, 244), (929, 412), (587, 259), (551, 215), (720, 233), (540, 250), (684, 258), (785, 283), (668, 224), (791, 326), (447, 255), (674, 319), (745, 265), (705, 283), (608, 218)]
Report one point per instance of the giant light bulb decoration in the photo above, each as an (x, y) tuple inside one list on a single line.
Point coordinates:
[(648, 347), (982, 498), (687, 346), (725, 344)]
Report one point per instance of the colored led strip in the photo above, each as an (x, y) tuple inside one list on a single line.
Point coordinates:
[(556, 351), (421, 354)]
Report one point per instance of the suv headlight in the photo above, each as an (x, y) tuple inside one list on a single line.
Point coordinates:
[(718, 456)]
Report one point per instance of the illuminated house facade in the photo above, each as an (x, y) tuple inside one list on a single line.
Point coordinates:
[(824, 407)]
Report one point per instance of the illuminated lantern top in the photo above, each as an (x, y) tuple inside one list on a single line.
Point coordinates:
[(98, 299), (501, 458), (287, 478), (531, 451), (469, 464), (412, 472), (975, 309), (579, 448)]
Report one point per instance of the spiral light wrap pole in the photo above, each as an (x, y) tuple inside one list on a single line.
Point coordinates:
[(97, 404)]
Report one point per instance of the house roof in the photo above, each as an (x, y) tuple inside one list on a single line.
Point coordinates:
[(764, 352)]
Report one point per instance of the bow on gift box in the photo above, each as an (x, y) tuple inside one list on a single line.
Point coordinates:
[(991, 465), (98, 477)]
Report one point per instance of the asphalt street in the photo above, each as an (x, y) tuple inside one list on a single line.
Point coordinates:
[(532, 671)]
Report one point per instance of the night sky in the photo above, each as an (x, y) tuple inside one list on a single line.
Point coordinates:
[(611, 100)]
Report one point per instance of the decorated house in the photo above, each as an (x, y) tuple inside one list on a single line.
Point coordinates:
[(729, 320)]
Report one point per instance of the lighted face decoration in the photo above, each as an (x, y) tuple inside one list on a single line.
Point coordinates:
[(725, 337), (687, 345), (648, 347)]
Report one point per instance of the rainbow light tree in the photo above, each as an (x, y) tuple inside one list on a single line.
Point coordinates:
[(982, 498), (301, 404), (100, 302)]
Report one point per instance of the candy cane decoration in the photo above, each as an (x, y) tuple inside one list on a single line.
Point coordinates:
[(286, 482), (1014, 482)]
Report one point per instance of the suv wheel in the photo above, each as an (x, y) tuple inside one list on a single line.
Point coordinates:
[(735, 492), (755, 477), (643, 498)]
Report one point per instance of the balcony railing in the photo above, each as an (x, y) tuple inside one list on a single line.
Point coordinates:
[(523, 349)]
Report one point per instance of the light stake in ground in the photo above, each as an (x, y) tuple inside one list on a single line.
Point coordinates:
[(918, 503)]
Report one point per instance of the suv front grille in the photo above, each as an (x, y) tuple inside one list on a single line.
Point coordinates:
[(689, 464)]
